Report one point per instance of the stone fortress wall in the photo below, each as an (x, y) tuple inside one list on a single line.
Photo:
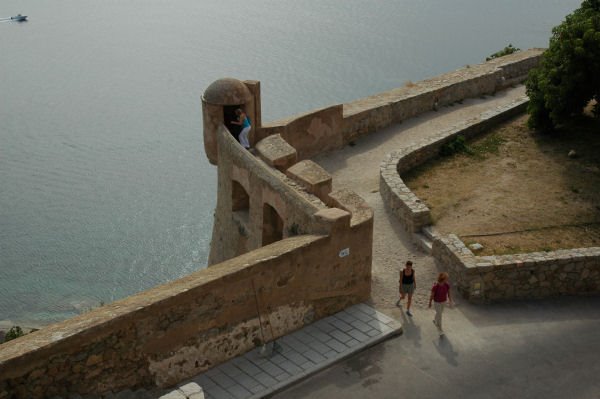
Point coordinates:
[(286, 249)]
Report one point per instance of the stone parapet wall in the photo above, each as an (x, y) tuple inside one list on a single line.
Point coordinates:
[(312, 133), (169, 333), (319, 265), (519, 276), (399, 199), (373, 113), (330, 128)]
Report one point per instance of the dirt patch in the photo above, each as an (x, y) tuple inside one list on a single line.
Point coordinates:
[(518, 190)]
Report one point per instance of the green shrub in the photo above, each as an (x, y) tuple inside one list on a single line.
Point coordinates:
[(567, 77), (14, 332), (505, 51), (455, 146)]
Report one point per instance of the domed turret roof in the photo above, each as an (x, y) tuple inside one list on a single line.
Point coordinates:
[(227, 91)]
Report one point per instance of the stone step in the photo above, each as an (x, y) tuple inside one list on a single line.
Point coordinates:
[(429, 232), (424, 242)]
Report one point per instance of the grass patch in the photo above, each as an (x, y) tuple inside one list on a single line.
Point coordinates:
[(489, 145), (512, 180)]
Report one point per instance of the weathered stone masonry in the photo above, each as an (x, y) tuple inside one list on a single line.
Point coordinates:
[(519, 276)]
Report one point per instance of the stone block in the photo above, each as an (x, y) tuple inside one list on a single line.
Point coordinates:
[(276, 152), (312, 177), (190, 389), (335, 217)]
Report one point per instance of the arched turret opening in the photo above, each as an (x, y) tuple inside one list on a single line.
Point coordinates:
[(219, 102)]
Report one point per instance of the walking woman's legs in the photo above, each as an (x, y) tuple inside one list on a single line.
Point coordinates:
[(439, 309)]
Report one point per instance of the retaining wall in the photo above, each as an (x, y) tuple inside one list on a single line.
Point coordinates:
[(519, 276), (399, 199), (485, 278)]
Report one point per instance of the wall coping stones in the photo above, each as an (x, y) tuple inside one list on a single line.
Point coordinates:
[(350, 201), (337, 218), (312, 176), (276, 152)]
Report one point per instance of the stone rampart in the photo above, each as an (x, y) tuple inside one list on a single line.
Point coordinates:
[(316, 132), (269, 196)]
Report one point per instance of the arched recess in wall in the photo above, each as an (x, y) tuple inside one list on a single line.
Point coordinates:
[(240, 201), (272, 225), (240, 207)]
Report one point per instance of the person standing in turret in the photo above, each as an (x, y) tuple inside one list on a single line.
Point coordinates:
[(244, 122)]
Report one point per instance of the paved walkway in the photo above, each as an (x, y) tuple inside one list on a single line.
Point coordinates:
[(536, 349), (293, 357)]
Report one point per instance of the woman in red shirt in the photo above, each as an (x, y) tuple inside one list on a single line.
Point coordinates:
[(440, 294)]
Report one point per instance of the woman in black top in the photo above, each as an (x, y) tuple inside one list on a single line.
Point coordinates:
[(407, 285)]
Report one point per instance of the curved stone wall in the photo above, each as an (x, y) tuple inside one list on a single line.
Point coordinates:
[(485, 278), (402, 202)]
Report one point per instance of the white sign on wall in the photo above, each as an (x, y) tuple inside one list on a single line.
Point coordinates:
[(344, 252)]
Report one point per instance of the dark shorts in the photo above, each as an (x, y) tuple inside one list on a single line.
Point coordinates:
[(408, 288)]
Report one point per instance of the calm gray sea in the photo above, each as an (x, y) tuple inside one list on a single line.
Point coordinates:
[(104, 187)]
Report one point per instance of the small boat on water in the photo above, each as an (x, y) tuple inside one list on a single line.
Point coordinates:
[(19, 18)]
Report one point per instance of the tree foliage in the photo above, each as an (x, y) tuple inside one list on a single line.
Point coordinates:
[(568, 76)]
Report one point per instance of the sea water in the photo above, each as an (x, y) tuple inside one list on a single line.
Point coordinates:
[(105, 190)]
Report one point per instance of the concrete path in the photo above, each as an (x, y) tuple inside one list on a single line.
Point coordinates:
[(543, 349)]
